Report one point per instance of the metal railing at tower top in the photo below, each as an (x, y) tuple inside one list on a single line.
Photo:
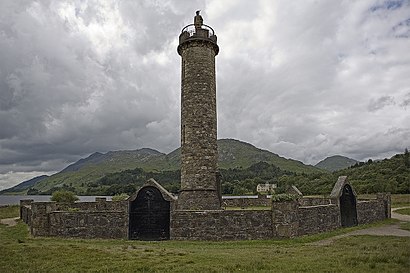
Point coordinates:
[(202, 33), (192, 30)]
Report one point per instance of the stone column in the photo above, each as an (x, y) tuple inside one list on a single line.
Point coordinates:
[(40, 220), (285, 219), (199, 151), (23, 203), (386, 199)]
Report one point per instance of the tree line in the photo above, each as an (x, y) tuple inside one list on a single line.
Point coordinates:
[(388, 175)]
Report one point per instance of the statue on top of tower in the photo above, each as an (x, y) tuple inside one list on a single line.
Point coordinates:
[(198, 21)]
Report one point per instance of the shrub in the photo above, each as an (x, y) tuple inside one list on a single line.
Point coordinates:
[(284, 197), (120, 197), (64, 196)]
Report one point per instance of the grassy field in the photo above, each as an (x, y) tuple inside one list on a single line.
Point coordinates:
[(405, 211), (22, 253), (405, 226), (400, 200), (9, 212), (397, 200)]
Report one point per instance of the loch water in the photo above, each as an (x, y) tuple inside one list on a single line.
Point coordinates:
[(15, 199)]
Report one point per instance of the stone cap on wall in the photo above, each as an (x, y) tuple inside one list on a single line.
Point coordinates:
[(152, 183), (338, 188)]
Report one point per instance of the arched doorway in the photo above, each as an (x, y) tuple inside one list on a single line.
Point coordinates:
[(149, 216), (348, 213)]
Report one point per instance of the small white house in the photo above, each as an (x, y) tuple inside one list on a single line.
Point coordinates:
[(266, 187)]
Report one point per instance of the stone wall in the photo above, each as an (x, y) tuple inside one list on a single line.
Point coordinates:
[(100, 219), (314, 201), (260, 201), (221, 225), (40, 221), (316, 219), (25, 210), (285, 219), (291, 220), (25, 214), (100, 205), (87, 224), (370, 211)]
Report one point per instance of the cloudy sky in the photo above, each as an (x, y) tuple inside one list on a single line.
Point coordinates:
[(303, 79)]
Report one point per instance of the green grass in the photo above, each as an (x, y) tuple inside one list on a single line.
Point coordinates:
[(400, 205), (397, 200), (405, 226), (400, 200), (405, 211), (22, 253), (9, 212), (249, 208)]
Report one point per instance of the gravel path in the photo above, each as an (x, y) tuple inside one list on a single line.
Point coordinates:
[(387, 230)]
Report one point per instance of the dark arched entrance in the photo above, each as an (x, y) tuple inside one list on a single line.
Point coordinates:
[(348, 213), (149, 216)]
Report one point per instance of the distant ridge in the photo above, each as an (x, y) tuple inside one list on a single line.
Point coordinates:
[(94, 158), (23, 186), (232, 154), (336, 163)]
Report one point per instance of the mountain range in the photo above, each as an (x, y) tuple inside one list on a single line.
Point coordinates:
[(232, 154), (242, 166)]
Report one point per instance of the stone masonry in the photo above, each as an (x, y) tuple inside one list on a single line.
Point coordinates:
[(279, 219), (199, 151)]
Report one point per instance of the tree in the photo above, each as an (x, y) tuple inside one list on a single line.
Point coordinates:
[(64, 197), (120, 197), (370, 161), (33, 191), (406, 158)]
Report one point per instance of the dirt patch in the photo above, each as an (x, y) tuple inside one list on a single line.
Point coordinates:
[(387, 230), (11, 222), (398, 216)]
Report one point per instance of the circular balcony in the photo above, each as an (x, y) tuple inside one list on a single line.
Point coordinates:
[(192, 30), (204, 33)]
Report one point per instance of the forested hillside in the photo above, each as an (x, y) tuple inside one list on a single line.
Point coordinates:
[(391, 175), (242, 167), (83, 176), (235, 181), (388, 175)]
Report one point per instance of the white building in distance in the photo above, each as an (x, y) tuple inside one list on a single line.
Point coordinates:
[(266, 187)]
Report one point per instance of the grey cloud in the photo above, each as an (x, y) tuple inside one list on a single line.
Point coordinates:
[(406, 101), (380, 103), (83, 76), (64, 96)]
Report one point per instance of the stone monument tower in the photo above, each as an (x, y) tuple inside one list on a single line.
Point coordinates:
[(199, 151)]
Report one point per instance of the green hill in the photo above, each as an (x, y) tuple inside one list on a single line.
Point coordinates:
[(237, 181), (387, 175), (77, 176), (335, 163), (232, 154), (24, 186)]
